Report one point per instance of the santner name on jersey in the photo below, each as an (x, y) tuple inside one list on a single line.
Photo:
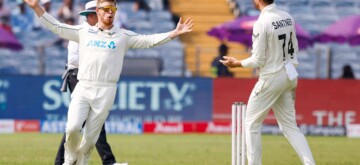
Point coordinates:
[(282, 23)]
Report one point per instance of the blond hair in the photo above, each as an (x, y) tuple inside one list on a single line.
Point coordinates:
[(101, 1)]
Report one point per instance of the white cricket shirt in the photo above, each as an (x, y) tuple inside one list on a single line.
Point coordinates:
[(274, 41), (101, 53)]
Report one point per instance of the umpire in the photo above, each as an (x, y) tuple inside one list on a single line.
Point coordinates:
[(70, 80)]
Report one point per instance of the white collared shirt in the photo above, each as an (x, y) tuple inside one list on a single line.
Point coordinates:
[(101, 53), (274, 41)]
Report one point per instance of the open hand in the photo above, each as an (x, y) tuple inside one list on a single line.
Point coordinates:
[(32, 3), (230, 62), (185, 27), (182, 28)]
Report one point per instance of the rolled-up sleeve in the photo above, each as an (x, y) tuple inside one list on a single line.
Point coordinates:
[(258, 52), (63, 30), (146, 41)]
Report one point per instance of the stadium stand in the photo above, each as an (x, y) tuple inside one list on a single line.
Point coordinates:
[(200, 48), (45, 53), (322, 60), (142, 67)]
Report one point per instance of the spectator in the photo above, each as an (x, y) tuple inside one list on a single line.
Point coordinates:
[(166, 6), (66, 10), (141, 5), (46, 4), (21, 18), (347, 72), (217, 68), (121, 20), (3, 11), (5, 24), (156, 4), (4, 17)]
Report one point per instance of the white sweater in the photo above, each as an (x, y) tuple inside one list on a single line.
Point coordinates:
[(271, 37), (101, 53)]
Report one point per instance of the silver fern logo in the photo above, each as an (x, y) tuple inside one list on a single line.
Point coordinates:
[(112, 45)]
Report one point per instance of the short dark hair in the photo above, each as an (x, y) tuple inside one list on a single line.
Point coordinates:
[(269, 1), (223, 49), (87, 14)]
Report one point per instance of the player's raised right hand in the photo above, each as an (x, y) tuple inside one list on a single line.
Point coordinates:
[(32, 3)]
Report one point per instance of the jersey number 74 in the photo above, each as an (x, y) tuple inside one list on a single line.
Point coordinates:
[(290, 46)]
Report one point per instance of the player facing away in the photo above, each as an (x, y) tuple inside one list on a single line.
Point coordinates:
[(101, 52), (274, 52)]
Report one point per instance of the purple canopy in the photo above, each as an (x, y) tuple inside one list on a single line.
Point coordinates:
[(344, 30), (240, 30), (8, 40)]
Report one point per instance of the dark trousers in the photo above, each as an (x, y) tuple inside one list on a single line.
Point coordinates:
[(102, 145)]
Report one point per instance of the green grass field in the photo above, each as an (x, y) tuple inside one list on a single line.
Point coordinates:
[(188, 149)]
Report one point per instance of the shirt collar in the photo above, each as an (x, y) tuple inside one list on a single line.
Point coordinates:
[(110, 30), (86, 24), (268, 8)]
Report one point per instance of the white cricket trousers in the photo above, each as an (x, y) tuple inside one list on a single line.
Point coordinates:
[(274, 92), (91, 101)]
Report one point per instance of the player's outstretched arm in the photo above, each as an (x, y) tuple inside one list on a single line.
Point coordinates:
[(34, 4), (182, 28), (231, 62), (147, 41), (63, 30)]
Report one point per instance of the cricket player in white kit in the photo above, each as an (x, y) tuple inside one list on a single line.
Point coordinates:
[(101, 52), (274, 52)]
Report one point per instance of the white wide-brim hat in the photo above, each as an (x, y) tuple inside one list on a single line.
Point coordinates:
[(90, 7)]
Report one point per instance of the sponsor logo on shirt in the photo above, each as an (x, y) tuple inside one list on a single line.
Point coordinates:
[(255, 36), (92, 31), (101, 44), (112, 45)]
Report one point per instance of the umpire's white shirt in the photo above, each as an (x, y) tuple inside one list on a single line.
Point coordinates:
[(73, 52), (274, 41), (101, 53), (73, 55)]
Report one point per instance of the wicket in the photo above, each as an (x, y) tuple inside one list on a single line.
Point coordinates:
[(238, 110)]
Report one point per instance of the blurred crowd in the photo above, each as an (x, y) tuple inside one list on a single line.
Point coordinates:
[(44, 53), (21, 19)]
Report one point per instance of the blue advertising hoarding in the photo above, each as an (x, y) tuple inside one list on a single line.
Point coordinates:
[(112, 127), (138, 99)]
